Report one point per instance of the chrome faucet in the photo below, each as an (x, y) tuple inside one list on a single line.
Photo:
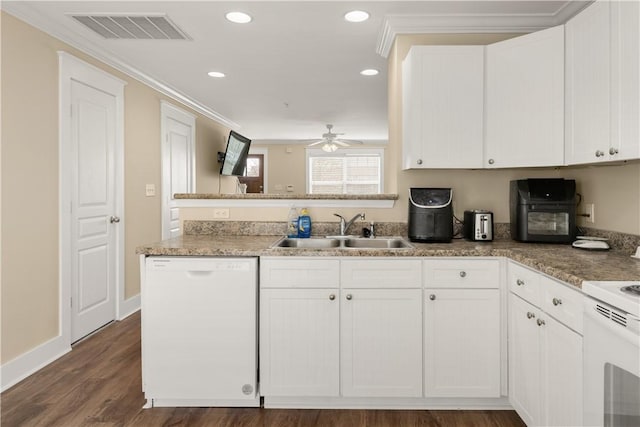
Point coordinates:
[(344, 224)]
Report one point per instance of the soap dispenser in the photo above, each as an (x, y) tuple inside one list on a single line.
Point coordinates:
[(304, 224)]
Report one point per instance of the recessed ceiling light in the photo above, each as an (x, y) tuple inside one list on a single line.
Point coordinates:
[(217, 74), (369, 72), (238, 17), (356, 16)]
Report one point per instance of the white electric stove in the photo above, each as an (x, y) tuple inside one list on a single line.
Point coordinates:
[(624, 296), (611, 356)]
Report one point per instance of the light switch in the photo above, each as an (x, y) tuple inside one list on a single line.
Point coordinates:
[(150, 190)]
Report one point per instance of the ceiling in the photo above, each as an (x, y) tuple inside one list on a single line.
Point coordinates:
[(295, 67)]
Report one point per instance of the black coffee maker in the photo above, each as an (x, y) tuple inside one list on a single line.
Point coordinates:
[(430, 215)]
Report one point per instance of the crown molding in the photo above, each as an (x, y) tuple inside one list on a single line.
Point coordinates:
[(393, 25), (23, 12)]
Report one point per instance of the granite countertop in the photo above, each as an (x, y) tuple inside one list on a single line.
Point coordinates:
[(559, 261)]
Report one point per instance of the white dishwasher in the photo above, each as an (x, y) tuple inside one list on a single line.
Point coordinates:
[(199, 342)]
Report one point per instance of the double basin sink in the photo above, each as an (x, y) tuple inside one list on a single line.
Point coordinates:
[(343, 243)]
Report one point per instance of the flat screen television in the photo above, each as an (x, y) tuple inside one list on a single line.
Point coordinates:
[(234, 159)]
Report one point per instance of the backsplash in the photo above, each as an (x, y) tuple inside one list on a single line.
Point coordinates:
[(618, 241)]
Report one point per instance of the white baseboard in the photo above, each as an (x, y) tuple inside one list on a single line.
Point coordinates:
[(128, 307), (32, 361)]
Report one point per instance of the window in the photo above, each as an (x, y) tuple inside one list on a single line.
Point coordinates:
[(346, 171)]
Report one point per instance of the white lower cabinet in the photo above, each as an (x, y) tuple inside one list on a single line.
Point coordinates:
[(462, 342), (381, 333), (299, 342), (462, 334), (545, 355)]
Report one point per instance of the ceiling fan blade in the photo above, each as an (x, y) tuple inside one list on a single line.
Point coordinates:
[(341, 143), (316, 143), (349, 141)]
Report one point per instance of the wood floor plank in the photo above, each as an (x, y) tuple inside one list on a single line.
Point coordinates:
[(99, 383)]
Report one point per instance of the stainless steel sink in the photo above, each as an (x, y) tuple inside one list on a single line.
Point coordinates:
[(378, 243), (343, 243), (310, 243)]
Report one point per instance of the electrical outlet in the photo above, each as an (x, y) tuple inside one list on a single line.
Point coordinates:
[(221, 213), (289, 188), (278, 187), (150, 190), (590, 210)]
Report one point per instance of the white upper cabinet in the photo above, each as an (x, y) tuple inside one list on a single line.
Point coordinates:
[(625, 82), (603, 83), (442, 104), (524, 101)]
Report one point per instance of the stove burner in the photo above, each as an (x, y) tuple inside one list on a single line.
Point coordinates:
[(633, 290)]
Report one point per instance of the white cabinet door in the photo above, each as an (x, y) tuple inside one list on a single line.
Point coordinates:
[(588, 89), (299, 342), (562, 375), (442, 104), (625, 84), (525, 101), (524, 360), (381, 342), (462, 343)]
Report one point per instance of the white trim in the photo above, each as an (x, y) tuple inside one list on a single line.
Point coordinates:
[(129, 306), (394, 25), (33, 18), (278, 203), (32, 361), (265, 167), (170, 111), (72, 68), (500, 403)]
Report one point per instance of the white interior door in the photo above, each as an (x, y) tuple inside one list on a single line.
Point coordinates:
[(178, 163), (93, 210)]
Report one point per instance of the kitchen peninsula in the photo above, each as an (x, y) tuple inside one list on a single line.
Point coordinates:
[(389, 328)]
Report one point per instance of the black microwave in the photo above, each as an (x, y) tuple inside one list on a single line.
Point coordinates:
[(543, 210)]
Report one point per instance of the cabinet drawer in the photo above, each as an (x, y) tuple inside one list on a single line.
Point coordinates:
[(381, 273), (299, 273), (461, 273), (562, 302), (525, 283)]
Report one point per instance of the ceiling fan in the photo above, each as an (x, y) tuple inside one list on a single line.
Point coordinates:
[(330, 141)]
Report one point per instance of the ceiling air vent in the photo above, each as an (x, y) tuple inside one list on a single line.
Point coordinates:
[(156, 27)]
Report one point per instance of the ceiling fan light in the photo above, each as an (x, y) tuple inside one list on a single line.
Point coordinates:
[(329, 148)]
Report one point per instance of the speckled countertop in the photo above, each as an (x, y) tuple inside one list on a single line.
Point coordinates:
[(559, 261)]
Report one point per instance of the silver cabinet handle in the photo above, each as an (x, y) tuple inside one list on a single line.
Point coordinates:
[(491, 161), (530, 315), (349, 296), (419, 161), (520, 282), (332, 297), (613, 151), (432, 297), (540, 322), (114, 219), (463, 274), (556, 301), (599, 153)]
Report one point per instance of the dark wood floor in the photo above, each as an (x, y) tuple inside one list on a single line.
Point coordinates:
[(99, 384)]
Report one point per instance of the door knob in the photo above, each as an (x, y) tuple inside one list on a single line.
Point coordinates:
[(349, 296), (114, 219), (332, 297), (432, 297)]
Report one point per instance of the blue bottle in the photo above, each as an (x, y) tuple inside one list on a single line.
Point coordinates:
[(304, 224)]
